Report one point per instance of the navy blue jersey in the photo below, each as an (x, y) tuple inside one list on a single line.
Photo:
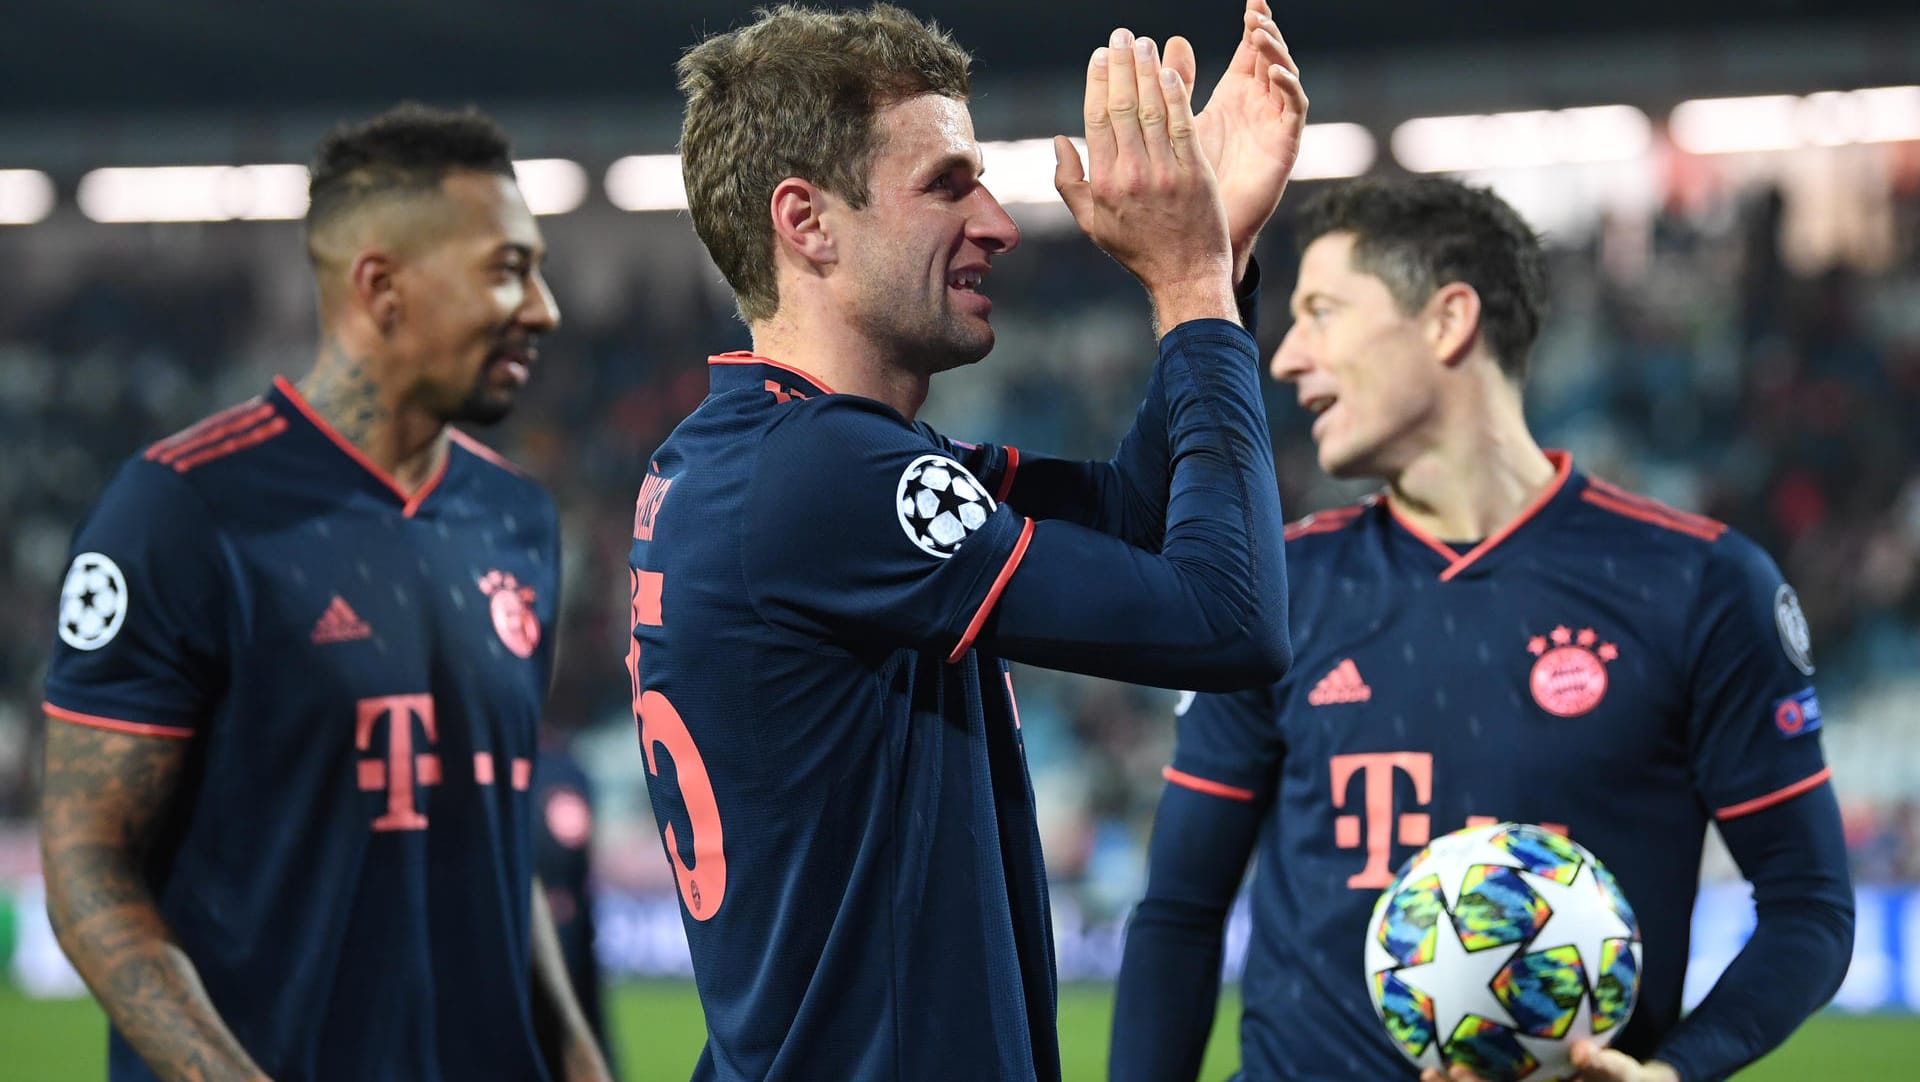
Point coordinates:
[(823, 597), (359, 674), (1609, 667)]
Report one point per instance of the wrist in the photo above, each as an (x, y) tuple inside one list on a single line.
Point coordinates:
[(1211, 297)]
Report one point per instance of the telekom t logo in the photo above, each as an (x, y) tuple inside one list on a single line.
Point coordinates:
[(1376, 770), (401, 770)]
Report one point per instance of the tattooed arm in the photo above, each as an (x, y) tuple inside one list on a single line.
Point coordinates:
[(104, 794), (573, 1054)]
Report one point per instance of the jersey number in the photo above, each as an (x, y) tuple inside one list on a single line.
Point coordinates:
[(703, 886)]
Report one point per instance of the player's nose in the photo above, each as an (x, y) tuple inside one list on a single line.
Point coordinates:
[(1292, 359), (541, 312), (990, 226)]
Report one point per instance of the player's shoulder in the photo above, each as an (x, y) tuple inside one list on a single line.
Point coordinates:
[(210, 453), (501, 474), (1327, 531), (1632, 518), (840, 428)]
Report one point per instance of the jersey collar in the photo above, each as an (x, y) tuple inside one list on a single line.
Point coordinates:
[(291, 403), (742, 369), (1558, 491)]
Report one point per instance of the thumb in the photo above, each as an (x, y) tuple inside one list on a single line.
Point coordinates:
[(1599, 1064), (1069, 179)]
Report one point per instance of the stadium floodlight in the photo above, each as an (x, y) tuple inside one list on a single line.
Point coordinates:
[(1522, 140), (1019, 171), (1774, 122), (1331, 151), (647, 182), (194, 193), (551, 185), (26, 196)]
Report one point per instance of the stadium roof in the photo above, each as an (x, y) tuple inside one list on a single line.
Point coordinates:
[(140, 56)]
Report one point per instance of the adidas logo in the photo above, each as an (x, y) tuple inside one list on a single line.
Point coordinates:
[(1342, 685), (340, 624)]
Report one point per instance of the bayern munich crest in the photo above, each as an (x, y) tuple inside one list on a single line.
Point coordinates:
[(511, 605), (940, 504), (93, 602), (1570, 677)]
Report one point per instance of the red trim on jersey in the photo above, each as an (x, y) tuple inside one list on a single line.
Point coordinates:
[(481, 450), (742, 356), (118, 725), (409, 502), (1562, 468), (1006, 479), (1613, 498), (231, 444), (1325, 521), (993, 594), (1460, 561), (1201, 785), (229, 420), (1778, 796)]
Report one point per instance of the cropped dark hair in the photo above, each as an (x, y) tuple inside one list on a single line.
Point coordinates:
[(409, 149), (1417, 234), (794, 94)]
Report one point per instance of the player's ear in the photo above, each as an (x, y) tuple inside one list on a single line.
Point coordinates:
[(371, 285), (799, 223), (1453, 322)]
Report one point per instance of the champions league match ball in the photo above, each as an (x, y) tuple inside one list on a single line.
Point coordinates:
[(1499, 946)]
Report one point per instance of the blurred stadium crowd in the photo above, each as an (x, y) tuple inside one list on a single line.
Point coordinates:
[(1707, 353)]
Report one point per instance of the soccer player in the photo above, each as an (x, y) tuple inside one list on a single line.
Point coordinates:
[(1496, 636), (826, 592), (304, 646)]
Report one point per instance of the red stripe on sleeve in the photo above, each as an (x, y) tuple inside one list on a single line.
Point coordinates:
[(1201, 785), (993, 595), (1006, 478), (1778, 796), (118, 725)]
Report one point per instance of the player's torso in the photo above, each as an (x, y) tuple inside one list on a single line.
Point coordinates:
[(1545, 685), (827, 814)]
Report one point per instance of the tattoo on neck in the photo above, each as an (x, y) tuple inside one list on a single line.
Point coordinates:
[(341, 390)]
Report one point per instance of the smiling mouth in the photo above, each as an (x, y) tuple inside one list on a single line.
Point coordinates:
[(967, 281)]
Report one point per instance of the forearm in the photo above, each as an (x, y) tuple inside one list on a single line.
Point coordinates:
[(1795, 854), (1170, 970), (566, 1039), (105, 920)]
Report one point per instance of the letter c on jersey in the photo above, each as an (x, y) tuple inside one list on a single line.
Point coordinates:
[(704, 886)]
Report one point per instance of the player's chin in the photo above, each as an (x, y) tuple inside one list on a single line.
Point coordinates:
[(487, 405)]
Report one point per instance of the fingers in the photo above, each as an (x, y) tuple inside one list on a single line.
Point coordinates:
[(1178, 94), (1123, 98), (1179, 57), (1150, 92), (1268, 44), (1100, 141)]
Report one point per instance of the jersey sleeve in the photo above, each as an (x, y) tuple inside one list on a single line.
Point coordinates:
[(1228, 745), (861, 528), (138, 646), (1754, 733)]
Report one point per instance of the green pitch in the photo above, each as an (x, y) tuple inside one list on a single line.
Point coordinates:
[(659, 1032)]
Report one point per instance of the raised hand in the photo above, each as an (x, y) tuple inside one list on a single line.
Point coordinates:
[(1148, 196), (1250, 129)]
